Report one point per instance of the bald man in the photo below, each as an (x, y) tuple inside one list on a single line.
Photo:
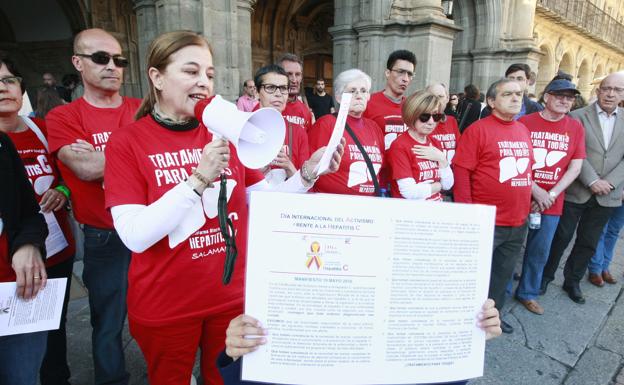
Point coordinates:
[(78, 133)]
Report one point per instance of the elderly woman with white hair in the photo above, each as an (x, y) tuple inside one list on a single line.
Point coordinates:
[(365, 145)]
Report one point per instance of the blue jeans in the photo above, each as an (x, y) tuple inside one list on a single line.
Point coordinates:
[(604, 250), (20, 358), (105, 275), (535, 257)]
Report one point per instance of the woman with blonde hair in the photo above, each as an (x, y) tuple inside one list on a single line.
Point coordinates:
[(420, 169), (185, 282)]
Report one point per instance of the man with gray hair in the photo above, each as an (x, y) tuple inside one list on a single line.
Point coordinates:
[(296, 112), (492, 166)]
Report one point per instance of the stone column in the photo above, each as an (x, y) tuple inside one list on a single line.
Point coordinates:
[(366, 32), (245, 64), (146, 31)]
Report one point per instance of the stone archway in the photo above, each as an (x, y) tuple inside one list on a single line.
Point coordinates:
[(585, 78), (297, 26), (567, 65), (37, 46), (546, 68)]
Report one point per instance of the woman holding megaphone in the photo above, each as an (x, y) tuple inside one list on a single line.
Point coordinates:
[(162, 175)]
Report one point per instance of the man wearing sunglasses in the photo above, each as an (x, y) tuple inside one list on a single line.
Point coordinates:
[(78, 133), (492, 166), (596, 193), (559, 150)]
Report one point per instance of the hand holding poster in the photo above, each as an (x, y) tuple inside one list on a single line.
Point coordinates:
[(357, 290)]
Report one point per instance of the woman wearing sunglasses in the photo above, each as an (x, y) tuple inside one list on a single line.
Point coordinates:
[(420, 169), (162, 189)]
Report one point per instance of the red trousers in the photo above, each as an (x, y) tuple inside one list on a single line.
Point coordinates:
[(170, 350)]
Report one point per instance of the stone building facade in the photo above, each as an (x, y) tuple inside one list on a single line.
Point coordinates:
[(456, 41)]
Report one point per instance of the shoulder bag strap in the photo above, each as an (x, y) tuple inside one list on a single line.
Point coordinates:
[(33, 127), (369, 164)]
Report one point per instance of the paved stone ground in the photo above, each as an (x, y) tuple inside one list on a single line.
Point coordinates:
[(569, 345)]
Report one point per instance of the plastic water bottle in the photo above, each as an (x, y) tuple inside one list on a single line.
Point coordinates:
[(535, 220)]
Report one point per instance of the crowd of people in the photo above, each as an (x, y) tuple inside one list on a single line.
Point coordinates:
[(146, 181)]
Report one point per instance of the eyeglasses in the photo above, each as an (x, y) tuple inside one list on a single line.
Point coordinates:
[(566, 97), (607, 90), (425, 117), (103, 58), (11, 80), (271, 88), (402, 73)]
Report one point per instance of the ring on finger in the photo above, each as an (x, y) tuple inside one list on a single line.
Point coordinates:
[(37, 277), (224, 157)]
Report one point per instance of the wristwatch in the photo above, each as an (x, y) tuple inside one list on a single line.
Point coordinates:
[(552, 194)]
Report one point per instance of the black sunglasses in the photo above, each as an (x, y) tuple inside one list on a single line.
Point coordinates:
[(425, 117), (103, 58)]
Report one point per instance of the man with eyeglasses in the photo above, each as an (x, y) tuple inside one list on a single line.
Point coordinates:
[(296, 111), (592, 197), (492, 166), (559, 150), (78, 133), (384, 107), (247, 101)]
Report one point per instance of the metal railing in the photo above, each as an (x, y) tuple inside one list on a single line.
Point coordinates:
[(588, 16)]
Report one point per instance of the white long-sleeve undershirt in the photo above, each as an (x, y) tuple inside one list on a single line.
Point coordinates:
[(409, 189), (142, 226)]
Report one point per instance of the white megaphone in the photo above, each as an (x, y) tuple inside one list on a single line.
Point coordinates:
[(258, 136)]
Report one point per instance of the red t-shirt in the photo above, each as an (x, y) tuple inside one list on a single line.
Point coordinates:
[(405, 164), (298, 113), (352, 177), (499, 155), (7, 274), (555, 145), (387, 115), (43, 175), (144, 161), (80, 120), (447, 135)]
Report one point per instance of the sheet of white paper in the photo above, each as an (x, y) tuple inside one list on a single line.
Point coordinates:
[(334, 139), (359, 290), (55, 241), (41, 313)]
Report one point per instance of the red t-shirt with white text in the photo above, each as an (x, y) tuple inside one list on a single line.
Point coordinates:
[(499, 155), (43, 176), (447, 135), (144, 161), (387, 115), (298, 113), (80, 120), (405, 164), (555, 145), (352, 177)]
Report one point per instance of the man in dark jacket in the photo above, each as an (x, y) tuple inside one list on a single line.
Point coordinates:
[(521, 73)]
